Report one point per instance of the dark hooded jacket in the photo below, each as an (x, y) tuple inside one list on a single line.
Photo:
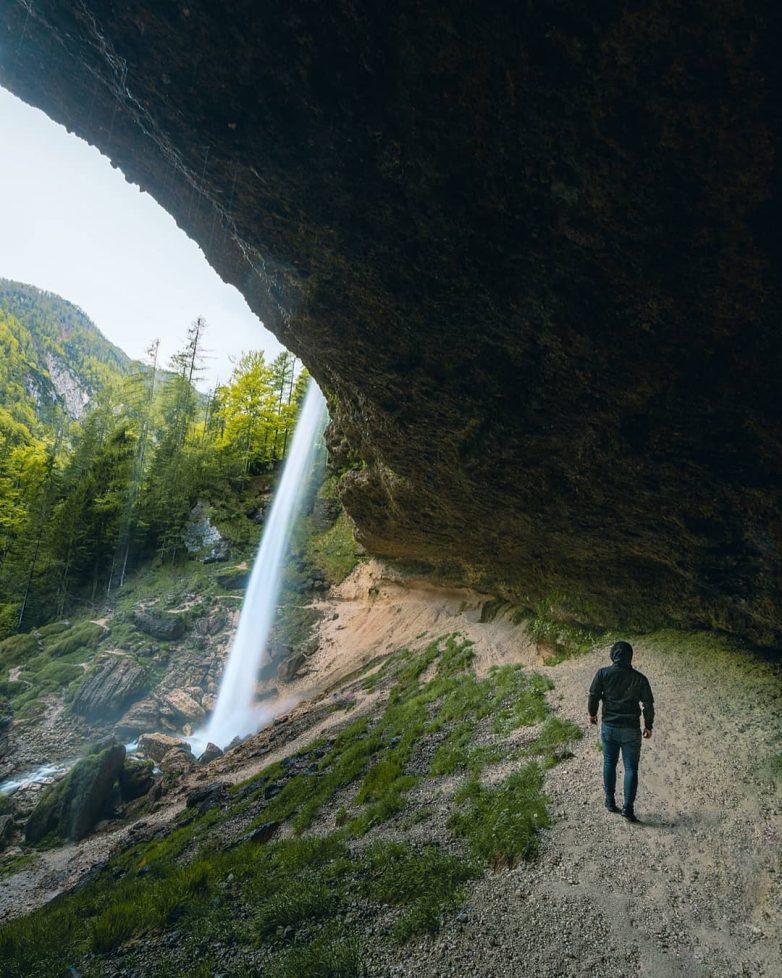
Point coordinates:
[(622, 688)]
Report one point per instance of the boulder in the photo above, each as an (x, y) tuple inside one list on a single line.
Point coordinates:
[(290, 667), (209, 700), (177, 761), (158, 624), (141, 717), (211, 753), (262, 833), (195, 692), (109, 688), (180, 706), (71, 807), (156, 745), (135, 779)]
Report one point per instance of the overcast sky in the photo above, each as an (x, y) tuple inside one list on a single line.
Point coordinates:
[(71, 224)]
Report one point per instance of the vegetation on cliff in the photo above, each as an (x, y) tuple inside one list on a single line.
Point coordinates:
[(82, 502)]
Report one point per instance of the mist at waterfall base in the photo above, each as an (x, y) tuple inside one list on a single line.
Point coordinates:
[(236, 712)]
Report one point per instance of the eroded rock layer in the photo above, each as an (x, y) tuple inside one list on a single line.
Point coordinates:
[(530, 250)]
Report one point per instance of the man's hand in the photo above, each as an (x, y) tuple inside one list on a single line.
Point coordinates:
[(593, 721), (647, 733)]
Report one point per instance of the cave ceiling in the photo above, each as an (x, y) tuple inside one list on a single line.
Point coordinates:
[(530, 250)]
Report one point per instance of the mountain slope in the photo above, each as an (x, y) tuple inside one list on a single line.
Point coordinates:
[(380, 877), (55, 359)]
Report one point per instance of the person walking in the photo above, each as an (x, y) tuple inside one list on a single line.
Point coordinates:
[(621, 688)]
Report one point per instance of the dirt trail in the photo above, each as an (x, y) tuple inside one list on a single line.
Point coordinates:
[(693, 891)]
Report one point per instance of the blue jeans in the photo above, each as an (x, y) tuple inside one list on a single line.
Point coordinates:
[(628, 740)]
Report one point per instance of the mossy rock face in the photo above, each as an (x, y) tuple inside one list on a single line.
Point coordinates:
[(71, 807), (539, 279), (135, 779)]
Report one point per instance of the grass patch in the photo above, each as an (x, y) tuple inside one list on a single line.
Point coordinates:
[(554, 735), (334, 953), (426, 883), (84, 636), (501, 824), (304, 901)]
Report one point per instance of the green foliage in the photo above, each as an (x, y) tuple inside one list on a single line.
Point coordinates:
[(334, 551), (565, 639), (80, 504), (17, 648), (501, 824), (80, 638)]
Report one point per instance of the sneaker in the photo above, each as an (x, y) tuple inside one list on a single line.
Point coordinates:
[(629, 814), (611, 805)]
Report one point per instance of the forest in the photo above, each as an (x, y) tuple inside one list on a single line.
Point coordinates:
[(84, 501)]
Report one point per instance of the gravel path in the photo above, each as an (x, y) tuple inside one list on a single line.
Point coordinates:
[(693, 890)]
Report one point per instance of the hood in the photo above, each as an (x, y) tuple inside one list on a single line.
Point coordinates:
[(622, 653)]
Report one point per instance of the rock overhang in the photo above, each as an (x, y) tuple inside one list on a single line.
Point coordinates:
[(530, 252)]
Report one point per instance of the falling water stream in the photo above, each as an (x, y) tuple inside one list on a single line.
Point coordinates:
[(236, 711)]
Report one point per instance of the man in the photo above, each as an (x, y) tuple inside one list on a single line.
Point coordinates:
[(621, 688)]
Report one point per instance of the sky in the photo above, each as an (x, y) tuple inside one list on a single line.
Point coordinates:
[(70, 223)]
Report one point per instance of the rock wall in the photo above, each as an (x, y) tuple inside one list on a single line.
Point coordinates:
[(530, 251)]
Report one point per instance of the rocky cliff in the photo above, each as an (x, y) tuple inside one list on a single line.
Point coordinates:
[(529, 250)]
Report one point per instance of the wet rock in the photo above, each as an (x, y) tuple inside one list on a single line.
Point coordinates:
[(289, 668), (157, 745), (158, 624), (115, 682), (211, 753), (207, 796), (142, 716), (179, 706), (177, 761), (267, 694), (262, 833), (209, 700), (71, 807), (135, 779)]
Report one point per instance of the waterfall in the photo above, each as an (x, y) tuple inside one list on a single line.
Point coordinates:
[(236, 712)]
